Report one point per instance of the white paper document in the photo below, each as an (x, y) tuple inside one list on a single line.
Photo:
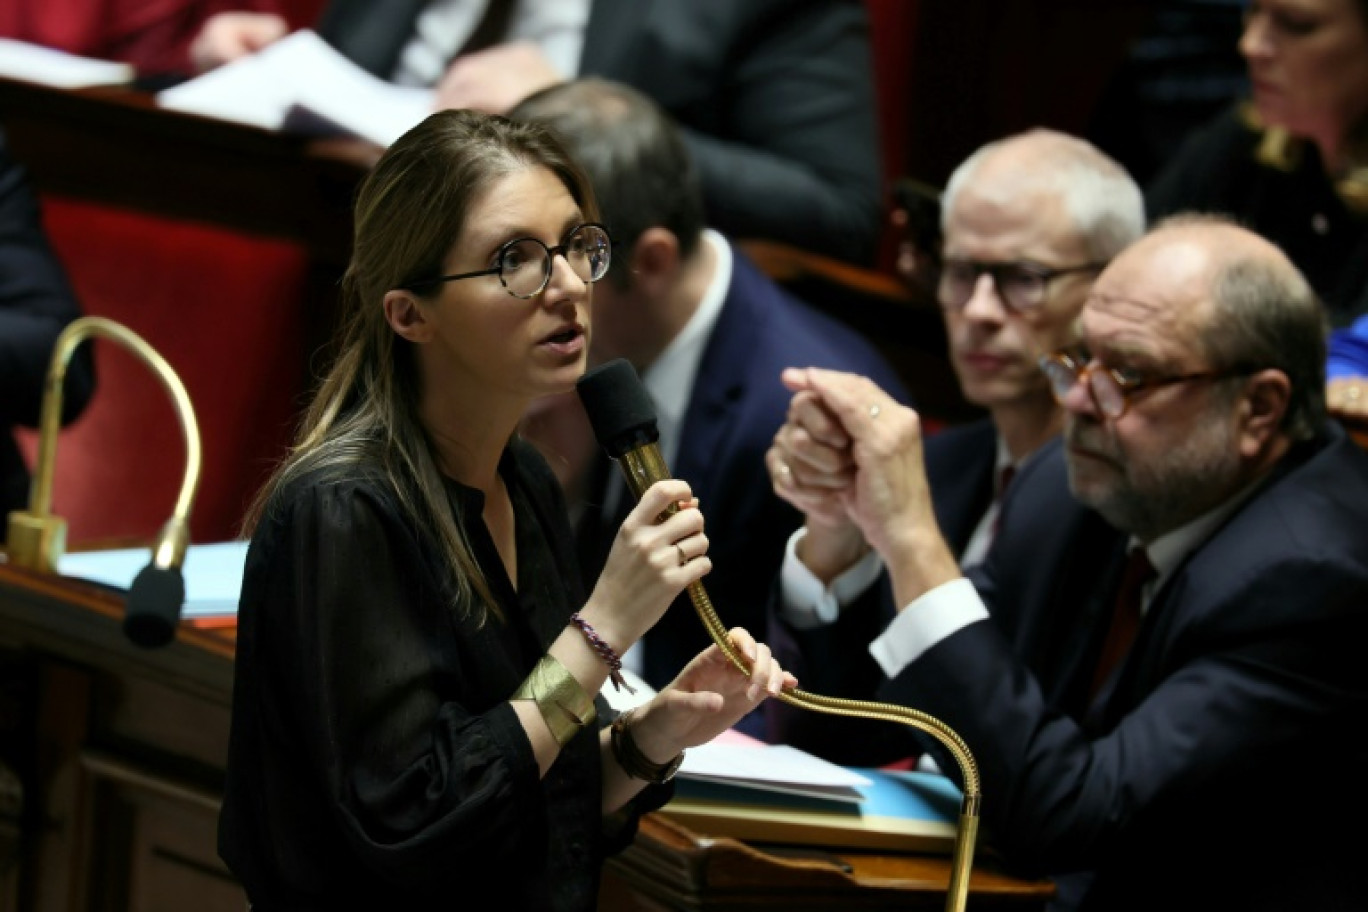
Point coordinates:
[(302, 84), (773, 767), (47, 66), (212, 573)]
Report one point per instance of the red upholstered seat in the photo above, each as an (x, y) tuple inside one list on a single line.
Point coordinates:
[(226, 311)]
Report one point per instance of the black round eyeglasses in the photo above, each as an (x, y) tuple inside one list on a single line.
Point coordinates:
[(523, 265)]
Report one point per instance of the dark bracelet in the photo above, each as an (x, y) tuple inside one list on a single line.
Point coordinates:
[(610, 657), (633, 762)]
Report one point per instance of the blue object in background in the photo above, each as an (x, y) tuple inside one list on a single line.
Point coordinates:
[(1349, 351)]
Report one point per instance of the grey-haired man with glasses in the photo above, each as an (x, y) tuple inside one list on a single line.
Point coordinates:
[(1027, 222), (1160, 661)]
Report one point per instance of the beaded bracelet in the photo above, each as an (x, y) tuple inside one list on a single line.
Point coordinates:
[(610, 658)]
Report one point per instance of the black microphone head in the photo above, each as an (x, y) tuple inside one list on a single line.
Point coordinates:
[(153, 607), (619, 408)]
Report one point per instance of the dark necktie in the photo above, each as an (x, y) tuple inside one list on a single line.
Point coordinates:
[(1005, 477), (490, 29), (1125, 620)]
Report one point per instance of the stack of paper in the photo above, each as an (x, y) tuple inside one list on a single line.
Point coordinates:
[(44, 65), (301, 84), (900, 811), (771, 767)]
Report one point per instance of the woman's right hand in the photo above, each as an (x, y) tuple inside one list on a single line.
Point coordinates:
[(650, 563)]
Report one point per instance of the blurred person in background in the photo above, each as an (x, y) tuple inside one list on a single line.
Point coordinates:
[(775, 97), (36, 304), (1291, 161)]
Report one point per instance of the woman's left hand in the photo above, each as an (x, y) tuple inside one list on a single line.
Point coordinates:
[(709, 696)]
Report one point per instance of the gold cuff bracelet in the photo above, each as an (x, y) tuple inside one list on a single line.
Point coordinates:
[(560, 698)]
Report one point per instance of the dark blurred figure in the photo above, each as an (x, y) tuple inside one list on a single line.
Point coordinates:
[(1291, 162), (36, 304), (775, 97), (1180, 72)]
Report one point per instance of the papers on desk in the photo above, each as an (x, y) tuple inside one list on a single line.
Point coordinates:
[(898, 810), (738, 760), (47, 66), (212, 572), (772, 767), (773, 793), (300, 84)]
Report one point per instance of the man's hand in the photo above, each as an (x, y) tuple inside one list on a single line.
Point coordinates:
[(495, 79), (225, 37), (810, 465), (889, 498)]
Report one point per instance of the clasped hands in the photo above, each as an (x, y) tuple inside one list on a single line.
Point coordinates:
[(849, 457)]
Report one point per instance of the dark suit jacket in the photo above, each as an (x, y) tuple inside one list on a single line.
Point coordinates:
[(36, 304), (960, 463), (1232, 741), (776, 98), (736, 406)]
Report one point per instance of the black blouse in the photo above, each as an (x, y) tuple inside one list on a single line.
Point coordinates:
[(1299, 210), (374, 761)]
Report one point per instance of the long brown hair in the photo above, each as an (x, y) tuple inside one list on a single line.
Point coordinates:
[(409, 212)]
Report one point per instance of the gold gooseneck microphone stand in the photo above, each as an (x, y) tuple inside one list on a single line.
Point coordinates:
[(641, 467), (623, 418), (36, 537)]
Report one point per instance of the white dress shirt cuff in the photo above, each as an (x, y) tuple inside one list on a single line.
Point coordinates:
[(925, 622), (805, 602)]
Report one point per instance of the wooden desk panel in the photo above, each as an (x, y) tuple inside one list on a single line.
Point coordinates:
[(122, 751), (671, 868)]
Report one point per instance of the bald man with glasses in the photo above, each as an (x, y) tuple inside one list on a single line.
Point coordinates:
[(1158, 668)]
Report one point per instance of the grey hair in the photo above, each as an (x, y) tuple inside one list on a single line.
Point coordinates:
[(1102, 199)]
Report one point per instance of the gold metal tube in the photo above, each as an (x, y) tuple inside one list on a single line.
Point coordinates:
[(643, 464), (36, 539)]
